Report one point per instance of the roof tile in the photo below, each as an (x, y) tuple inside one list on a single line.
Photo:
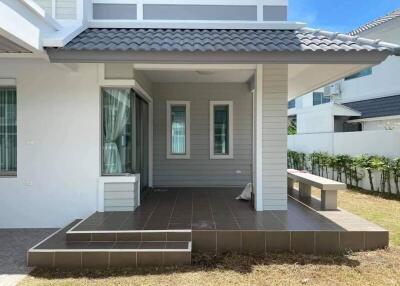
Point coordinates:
[(224, 40)]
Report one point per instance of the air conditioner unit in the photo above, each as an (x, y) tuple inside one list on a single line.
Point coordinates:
[(333, 90)]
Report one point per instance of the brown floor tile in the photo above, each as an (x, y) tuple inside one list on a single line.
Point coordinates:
[(68, 259), (204, 241), (253, 241), (78, 236), (154, 236), (41, 259), (149, 258), (179, 236), (352, 240), (327, 242), (176, 245), (302, 241), (104, 236), (95, 259), (277, 241), (229, 241), (132, 236), (122, 259), (376, 239), (127, 245), (152, 245), (177, 258)]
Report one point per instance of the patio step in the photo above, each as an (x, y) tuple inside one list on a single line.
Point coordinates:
[(132, 235), (57, 251)]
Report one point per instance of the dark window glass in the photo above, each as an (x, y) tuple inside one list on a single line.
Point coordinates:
[(319, 98), (221, 130), (292, 104), (364, 72)]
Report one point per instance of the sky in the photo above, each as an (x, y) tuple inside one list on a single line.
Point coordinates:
[(339, 15)]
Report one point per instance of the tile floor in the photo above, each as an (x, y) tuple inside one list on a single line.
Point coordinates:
[(207, 209)]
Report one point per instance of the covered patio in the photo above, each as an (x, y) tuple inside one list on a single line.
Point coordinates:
[(177, 221)]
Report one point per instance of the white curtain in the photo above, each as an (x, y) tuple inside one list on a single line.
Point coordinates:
[(116, 114)]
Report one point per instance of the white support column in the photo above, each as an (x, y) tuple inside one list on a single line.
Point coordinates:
[(274, 136), (257, 139)]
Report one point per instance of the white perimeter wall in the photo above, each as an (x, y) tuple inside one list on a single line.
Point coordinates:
[(382, 142), (58, 145)]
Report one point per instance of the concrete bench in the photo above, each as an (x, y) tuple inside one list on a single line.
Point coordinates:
[(328, 187)]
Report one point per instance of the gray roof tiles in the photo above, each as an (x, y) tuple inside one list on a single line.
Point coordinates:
[(219, 40), (377, 107), (375, 23)]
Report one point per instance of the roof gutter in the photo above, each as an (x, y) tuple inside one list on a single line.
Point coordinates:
[(299, 57)]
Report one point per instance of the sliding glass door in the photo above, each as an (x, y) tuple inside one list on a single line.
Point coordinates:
[(142, 141)]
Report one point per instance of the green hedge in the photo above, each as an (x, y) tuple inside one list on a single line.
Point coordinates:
[(348, 169)]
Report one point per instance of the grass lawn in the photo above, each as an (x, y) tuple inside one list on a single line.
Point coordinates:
[(380, 267)]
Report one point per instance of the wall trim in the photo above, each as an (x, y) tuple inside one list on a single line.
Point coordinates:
[(257, 141)]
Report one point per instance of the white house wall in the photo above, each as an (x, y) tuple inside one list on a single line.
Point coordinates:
[(384, 80), (58, 117)]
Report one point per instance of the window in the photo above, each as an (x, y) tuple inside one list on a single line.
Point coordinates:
[(124, 133), (178, 129), (319, 98), (292, 104), (8, 131), (364, 72), (221, 129), (117, 128)]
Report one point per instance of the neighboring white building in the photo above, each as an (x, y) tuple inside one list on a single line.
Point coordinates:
[(87, 88), (365, 101), (359, 114)]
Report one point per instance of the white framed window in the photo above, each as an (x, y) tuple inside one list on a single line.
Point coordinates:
[(178, 129), (221, 130), (8, 131)]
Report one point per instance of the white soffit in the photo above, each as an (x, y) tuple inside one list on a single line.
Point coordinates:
[(304, 78)]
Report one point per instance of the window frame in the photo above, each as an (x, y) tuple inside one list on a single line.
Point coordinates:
[(228, 103), (133, 94), (12, 174), (170, 155), (322, 98)]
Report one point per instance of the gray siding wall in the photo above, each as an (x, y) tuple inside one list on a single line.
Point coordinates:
[(275, 13), (274, 136), (119, 197), (199, 12), (103, 11), (66, 9), (45, 4), (199, 170)]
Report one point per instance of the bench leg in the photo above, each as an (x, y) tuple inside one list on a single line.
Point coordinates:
[(290, 185), (329, 200), (305, 191)]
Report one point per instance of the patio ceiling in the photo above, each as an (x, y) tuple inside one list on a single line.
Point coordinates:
[(302, 78)]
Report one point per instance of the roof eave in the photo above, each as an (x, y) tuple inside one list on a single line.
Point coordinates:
[(297, 57)]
